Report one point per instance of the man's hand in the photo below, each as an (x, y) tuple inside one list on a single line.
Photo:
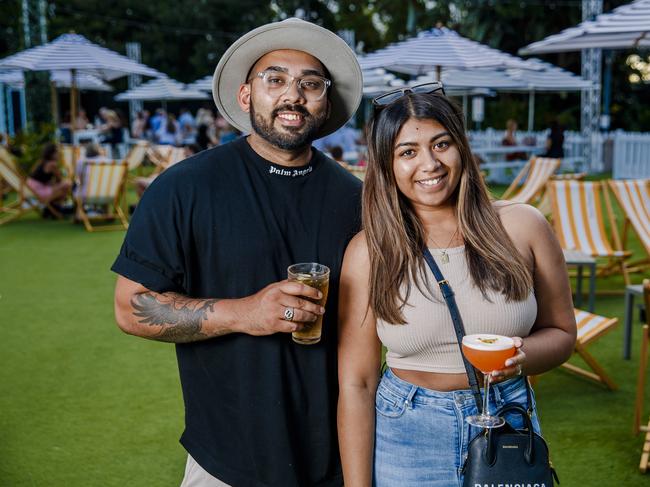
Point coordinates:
[(263, 313)]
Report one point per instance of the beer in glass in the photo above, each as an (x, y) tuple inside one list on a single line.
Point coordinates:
[(316, 276)]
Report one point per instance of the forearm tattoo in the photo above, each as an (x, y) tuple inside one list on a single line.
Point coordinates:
[(179, 317)]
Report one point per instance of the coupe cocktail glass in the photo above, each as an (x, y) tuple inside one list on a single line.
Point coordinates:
[(487, 353)]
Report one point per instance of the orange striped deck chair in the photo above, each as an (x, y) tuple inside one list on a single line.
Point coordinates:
[(102, 185), (26, 200), (641, 383), (537, 171), (633, 195), (579, 223), (590, 328)]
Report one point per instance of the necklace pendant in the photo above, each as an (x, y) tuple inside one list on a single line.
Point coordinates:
[(444, 258)]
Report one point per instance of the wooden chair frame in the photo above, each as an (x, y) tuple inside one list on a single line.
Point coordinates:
[(641, 383), (597, 372)]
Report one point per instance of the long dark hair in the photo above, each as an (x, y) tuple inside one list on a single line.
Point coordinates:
[(395, 234)]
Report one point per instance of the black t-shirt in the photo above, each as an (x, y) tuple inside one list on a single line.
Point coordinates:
[(259, 411)]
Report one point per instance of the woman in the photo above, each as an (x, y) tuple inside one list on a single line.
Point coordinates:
[(504, 264), (555, 141), (111, 129), (46, 180), (510, 140), (169, 132)]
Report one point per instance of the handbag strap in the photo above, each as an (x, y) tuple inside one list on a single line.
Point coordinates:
[(448, 294)]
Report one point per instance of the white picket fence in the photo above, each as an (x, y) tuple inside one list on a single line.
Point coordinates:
[(631, 155), (628, 152)]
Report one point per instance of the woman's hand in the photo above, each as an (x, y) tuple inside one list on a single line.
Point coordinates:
[(514, 365)]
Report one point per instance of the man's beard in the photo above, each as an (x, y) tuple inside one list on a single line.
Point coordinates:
[(296, 137)]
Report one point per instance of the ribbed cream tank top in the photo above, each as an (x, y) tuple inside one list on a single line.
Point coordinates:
[(427, 342)]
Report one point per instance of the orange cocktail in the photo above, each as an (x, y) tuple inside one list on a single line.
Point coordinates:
[(488, 352)]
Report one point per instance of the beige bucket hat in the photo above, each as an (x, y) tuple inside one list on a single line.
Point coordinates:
[(347, 82)]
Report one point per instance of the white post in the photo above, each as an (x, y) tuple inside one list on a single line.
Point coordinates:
[(531, 110), (23, 109)]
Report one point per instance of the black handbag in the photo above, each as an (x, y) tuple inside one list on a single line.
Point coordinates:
[(505, 455)]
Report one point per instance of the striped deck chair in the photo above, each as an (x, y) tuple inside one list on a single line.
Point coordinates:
[(590, 328), (579, 223), (538, 172), (102, 184), (633, 195), (176, 155), (136, 155), (641, 383), (69, 155), (159, 155), (26, 200)]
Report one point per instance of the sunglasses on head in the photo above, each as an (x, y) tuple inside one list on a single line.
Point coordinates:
[(387, 98)]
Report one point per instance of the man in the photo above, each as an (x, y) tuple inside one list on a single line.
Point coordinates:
[(188, 126), (205, 260)]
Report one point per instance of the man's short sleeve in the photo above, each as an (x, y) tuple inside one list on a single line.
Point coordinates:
[(152, 252)]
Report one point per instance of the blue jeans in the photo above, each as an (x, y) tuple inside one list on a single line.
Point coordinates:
[(421, 436)]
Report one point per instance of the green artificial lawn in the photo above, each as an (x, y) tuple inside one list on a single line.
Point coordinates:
[(83, 404)]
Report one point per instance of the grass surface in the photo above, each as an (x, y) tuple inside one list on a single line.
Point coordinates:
[(84, 405)]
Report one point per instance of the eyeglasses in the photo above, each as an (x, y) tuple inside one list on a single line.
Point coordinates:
[(277, 83), (387, 98)]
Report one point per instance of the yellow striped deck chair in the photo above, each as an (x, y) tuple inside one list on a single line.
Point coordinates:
[(26, 200), (538, 172), (590, 328), (633, 195), (102, 185), (579, 223)]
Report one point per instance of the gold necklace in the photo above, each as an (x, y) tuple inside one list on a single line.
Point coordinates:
[(444, 257)]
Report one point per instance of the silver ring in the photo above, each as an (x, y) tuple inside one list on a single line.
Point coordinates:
[(288, 314), (520, 369)]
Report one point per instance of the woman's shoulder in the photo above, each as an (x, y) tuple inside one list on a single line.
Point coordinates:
[(513, 210), (521, 221), (358, 246)]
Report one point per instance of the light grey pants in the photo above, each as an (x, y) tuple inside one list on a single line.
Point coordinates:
[(195, 476)]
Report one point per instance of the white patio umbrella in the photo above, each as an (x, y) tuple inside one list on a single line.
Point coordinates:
[(541, 77), (76, 54), (60, 79), (377, 81), (436, 49), (203, 84), (625, 27), (162, 89)]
